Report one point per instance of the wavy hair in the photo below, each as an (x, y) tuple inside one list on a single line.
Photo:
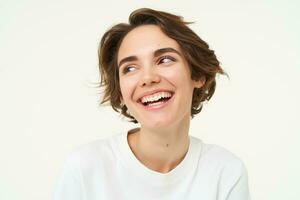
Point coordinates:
[(201, 59)]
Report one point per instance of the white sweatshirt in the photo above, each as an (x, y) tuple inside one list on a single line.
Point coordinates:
[(107, 169)]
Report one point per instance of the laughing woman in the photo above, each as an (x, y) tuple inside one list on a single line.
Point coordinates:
[(157, 72)]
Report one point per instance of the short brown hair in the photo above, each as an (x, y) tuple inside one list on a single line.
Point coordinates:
[(202, 61)]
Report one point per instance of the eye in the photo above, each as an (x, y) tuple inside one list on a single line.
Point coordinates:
[(128, 69), (166, 59)]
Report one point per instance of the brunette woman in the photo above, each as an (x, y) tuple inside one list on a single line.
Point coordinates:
[(157, 72)]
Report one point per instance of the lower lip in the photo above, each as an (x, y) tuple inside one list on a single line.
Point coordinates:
[(158, 105)]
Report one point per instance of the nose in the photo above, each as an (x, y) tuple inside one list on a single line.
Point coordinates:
[(149, 77)]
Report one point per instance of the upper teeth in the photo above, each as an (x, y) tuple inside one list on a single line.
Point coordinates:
[(155, 97)]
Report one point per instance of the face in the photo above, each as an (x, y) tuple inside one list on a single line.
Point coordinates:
[(155, 79)]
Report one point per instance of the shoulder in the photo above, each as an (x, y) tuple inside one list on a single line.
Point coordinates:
[(219, 165), (230, 171), (94, 153), (219, 155), (219, 159), (228, 166)]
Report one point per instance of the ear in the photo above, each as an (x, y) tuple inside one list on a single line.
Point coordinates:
[(199, 83)]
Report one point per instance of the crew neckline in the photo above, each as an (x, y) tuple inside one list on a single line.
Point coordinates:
[(133, 165)]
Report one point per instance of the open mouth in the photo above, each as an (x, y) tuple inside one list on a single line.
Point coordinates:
[(156, 99)]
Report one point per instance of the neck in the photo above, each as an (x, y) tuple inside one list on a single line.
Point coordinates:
[(160, 150)]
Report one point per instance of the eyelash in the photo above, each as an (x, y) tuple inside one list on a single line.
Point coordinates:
[(167, 57), (125, 70)]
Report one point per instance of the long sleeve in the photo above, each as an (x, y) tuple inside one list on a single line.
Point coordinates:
[(69, 186)]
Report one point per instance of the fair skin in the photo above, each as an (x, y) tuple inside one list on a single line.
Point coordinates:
[(151, 63)]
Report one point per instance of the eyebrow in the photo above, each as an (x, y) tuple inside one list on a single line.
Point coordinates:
[(156, 54)]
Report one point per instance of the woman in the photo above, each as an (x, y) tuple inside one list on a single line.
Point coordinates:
[(157, 72)]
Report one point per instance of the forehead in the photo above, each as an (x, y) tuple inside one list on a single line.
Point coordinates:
[(144, 40)]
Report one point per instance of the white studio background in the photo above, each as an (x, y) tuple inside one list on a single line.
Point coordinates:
[(49, 104)]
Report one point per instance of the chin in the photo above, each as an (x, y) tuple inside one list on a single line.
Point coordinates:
[(156, 124)]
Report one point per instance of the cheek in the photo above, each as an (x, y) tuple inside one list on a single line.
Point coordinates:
[(124, 89), (176, 77), (127, 86)]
